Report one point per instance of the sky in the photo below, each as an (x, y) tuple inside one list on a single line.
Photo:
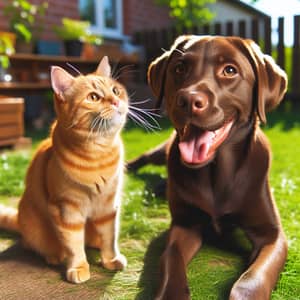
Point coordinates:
[(282, 8)]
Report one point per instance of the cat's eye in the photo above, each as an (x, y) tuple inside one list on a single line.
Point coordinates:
[(116, 90), (93, 97), (229, 71)]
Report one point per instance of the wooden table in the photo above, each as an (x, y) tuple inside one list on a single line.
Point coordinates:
[(31, 72)]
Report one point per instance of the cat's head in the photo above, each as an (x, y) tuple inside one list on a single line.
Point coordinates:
[(93, 104)]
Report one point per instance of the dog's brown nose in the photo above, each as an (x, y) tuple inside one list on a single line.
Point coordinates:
[(193, 102)]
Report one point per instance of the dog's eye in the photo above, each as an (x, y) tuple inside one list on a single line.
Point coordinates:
[(229, 71), (180, 68), (93, 97)]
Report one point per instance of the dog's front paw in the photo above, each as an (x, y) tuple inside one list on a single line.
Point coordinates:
[(119, 262), (79, 274), (249, 288)]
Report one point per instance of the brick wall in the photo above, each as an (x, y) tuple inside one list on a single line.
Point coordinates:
[(144, 14), (137, 15), (57, 9)]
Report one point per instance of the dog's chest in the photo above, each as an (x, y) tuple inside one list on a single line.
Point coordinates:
[(210, 188)]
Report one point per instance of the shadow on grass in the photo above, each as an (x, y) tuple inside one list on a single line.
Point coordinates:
[(215, 268), (286, 115), (154, 182), (20, 261), (23, 257), (149, 278)]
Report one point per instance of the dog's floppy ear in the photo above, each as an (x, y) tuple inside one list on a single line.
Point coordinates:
[(157, 70), (271, 80), (157, 76)]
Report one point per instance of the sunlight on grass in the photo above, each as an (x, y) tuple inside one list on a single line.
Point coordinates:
[(145, 219)]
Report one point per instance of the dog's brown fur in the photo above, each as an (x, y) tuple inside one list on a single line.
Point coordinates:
[(209, 83)]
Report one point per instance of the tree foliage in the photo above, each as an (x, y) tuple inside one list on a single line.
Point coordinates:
[(188, 13)]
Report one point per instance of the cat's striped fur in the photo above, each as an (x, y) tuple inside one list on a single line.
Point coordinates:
[(73, 185)]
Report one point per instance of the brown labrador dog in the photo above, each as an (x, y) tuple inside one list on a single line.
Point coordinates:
[(216, 90)]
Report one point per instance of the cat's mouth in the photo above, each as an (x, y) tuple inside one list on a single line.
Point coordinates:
[(108, 121)]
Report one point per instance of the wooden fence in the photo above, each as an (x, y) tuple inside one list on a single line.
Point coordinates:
[(153, 41)]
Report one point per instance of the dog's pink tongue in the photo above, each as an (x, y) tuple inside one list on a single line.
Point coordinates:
[(195, 146)]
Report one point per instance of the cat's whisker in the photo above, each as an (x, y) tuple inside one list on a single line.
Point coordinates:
[(115, 67), (77, 120), (146, 113), (102, 129), (124, 71), (105, 125), (141, 121), (106, 113), (73, 68), (154, 126), (140, 102), (100, 126), (132, 95), (92, 127), (129, 72), (140, 116), (137, 120)]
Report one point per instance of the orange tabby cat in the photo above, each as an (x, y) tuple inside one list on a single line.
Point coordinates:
[(73, 185)]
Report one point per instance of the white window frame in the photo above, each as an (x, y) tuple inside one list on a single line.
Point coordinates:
[(100, 27)]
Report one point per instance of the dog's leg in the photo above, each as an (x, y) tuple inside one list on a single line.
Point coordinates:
[(260, 278), (156, 156), (182, 245)]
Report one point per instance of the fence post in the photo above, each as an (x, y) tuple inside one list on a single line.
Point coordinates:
[(296, 58), (255, 30), (206, 29), (280, 46), (242, 29), (217, 29), (229, 28), (267, 35)]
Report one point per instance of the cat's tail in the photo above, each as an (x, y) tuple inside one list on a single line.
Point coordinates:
[(9, 218)]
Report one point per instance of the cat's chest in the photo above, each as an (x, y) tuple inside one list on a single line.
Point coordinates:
[(103, 198), (95, 171)]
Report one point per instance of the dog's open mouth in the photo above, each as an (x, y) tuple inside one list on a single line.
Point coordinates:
[(197, 146)]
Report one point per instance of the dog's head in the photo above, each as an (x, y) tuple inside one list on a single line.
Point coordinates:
[(211, 84)]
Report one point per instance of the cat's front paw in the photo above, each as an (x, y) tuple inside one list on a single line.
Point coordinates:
[(119, 262), (79, 274)]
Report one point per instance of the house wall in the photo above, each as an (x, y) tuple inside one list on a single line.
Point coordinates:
[(227, 11), (139, 15)]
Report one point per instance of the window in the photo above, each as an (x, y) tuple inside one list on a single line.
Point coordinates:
[(104, 15)]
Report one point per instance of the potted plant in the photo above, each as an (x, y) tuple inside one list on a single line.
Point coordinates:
[(7, 47), (75, 33), (22, 16)]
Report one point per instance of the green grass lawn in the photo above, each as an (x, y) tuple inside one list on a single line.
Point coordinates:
[(145, 219)]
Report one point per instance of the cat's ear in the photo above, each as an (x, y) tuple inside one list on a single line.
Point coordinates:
[(104, 68), (61, 80)]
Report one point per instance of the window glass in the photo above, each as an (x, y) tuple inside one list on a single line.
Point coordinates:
[(105, 16), (110, 14), (87, 10)]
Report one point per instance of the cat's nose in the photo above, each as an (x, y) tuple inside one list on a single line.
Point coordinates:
[(115, 102)]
